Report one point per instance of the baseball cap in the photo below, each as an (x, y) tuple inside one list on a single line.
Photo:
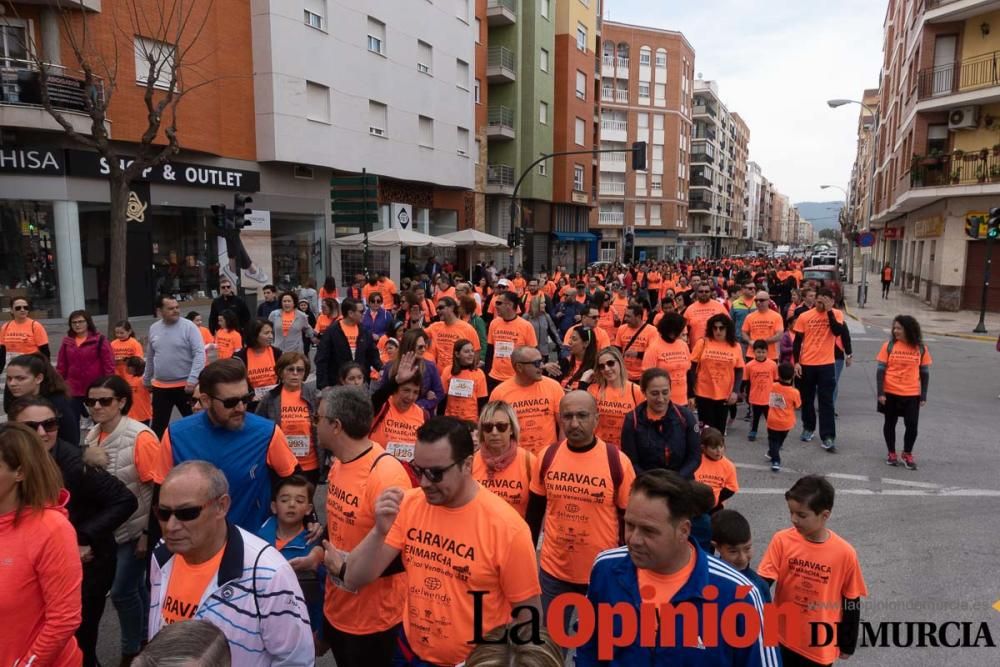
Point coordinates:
[(504, 282)]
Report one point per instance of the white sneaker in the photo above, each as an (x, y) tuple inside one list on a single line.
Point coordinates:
[(258, 275), (226, 272)]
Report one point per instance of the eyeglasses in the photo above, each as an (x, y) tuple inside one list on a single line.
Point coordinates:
[(105, 401), (77, 322), (762, 300), (48, 425), (501, 427), (375, 301), (182, 513), (571, 416), (19, 308), (296, 369), (433, 475), (193, 400), (225, 287), (230, 403), (537, 363), (608, 364)]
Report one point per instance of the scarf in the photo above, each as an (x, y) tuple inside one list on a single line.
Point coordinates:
[(497, 464)]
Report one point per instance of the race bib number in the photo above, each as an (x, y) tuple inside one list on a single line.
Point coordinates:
[(461, 388), (260, 392), (403, 451), (299, 444), (504, 349), (776, 400)]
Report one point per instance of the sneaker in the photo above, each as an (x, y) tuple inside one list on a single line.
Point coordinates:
[(226, 272), (829, 445), (892, 459), (806, 436), (751, 436), (256, 274), (908, 461), (775, 466)]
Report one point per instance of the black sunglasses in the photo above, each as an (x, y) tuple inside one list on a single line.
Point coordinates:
[(537, 363), (49, 425), (433, 475), (105, 401), (19, 308), (487, 427), (182, 513), (231, 403)]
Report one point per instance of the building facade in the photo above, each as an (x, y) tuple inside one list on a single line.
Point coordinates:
[(753, 183), (647, 83)]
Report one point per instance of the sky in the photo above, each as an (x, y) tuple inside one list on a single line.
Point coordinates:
[(776, 63)]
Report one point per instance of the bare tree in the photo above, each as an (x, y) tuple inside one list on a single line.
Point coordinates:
[(163, 35)]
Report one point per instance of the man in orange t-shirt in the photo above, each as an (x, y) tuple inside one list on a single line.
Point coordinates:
[(454, 576), (700, 311), (361, 626), (534, 398), (816, 333), (633, 338), (763, 324), (507, 331), (444, 333)]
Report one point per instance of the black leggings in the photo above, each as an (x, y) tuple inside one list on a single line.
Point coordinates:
[(757, 411), (907, 407), (712, 412), (164, 402), (374, 650)]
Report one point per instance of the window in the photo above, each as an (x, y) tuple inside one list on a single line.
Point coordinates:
[(463, 142), (317, 102), (657, 152), (640, 184), (461, 74), (378, 119), (543, 60), (656, 184), (661, 58), (315, 14), (426, 131), (644, 56), (543, 113), (14, 45), (477, 89), (578, 177), (425, 57), (581, 132), (661, 93), (644, 90), (479, 31), (658, 121), (376, 36), (153, 58), (544, 8), (654, 214), (543, 169), (642, 121), (581, 85), (581, 36)]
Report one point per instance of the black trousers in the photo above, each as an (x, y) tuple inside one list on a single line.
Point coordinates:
[(819, 381), (374, 650), (164, 402), (756, 412), (712, 412), (98, 575), (886, 284), (907, 407), (236, 250), (775, 439), (790, 658)]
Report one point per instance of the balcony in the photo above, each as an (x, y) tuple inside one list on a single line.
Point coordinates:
[(703, 132), (699, 204), (701, 182), (940, 11), (704, 110), (21, 96), (613, 162), (500, 124), (500, 65), (614, 130), (956, 169), (702, 157), (622, 70), (611, 218), (499, 179), (963, 82), (501, 12), (612, 188)]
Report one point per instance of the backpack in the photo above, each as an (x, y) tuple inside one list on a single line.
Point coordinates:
[(614, 464)]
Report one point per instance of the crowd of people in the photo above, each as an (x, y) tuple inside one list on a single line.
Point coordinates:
[(487, 447)]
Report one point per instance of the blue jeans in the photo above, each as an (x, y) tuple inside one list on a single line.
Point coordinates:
[(551, 588), (818, 381), (838, 368), (131, 597)]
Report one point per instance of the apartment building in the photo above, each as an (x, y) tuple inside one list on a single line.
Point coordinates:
[(753, 182), (937, 151), (781, 209), (762, 216), (739, 147), (858, 195), (399, 102), (646, 92)]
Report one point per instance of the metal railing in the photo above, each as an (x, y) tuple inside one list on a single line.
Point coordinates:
[(619, 125), (611, 217), (701, 181), (702, 157), (698, 204), (500, 56), (621, 96), (500, 116), (612, 188), (500, 174), (703, 109), (21, 84), (982, 71), (976, 167)]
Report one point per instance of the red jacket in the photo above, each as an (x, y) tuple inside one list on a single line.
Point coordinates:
[(82, 364)]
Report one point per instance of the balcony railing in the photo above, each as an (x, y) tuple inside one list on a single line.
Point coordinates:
[(959, 168), (701, 109), (500, 65), (698, 204), (704, 133), (701, 157), (701, 182), (612, 188), (611, 218), (612, 95), (21, 85), (500, 176), (981, 71), (500, 122), (614, 125), (501, 12)]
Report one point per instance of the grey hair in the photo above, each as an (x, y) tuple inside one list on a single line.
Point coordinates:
[(218, 485), (352, 407), (193, 642)]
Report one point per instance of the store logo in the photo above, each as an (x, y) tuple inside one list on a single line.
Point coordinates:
[(135, 211), (403, 218)]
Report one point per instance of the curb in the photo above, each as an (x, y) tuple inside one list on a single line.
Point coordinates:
[(986, 339)]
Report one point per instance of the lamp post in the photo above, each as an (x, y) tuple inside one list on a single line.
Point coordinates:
[(843, 231), (833, 104)]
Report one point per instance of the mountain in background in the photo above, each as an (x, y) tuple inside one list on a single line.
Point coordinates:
[(822, 214)]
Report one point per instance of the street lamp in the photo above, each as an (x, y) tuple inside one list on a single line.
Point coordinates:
[(833, 104), (843, 231)]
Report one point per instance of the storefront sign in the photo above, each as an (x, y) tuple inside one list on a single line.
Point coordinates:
[(24, 86), (893, 233), (402, 215), (39, 161), (85, 164), (138, 203), (929, 227), (260, 221)]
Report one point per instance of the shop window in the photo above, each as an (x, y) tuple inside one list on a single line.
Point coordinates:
[(28, 256)]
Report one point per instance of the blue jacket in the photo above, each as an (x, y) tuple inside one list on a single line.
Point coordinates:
[(378, 322), (614, 580), (312, 583)]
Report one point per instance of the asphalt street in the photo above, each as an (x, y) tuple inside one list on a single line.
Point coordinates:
[(927, 539)]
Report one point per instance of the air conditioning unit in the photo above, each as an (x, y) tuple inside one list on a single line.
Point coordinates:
[(963, 118), (376, 131)]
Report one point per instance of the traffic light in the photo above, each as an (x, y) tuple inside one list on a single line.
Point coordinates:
[(993, 224), (240, 210), (219, 216), (639, 156)]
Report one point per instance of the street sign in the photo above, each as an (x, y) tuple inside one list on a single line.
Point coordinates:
[(866, 250), (866, 239)]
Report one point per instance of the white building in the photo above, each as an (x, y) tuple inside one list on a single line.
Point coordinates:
[(752, 210)]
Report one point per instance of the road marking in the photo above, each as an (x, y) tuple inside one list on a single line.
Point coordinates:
[(842, 475), (956, 493), (917, 488), (905, 482)]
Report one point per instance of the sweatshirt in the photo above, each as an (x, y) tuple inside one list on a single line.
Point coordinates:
[(176, 354)]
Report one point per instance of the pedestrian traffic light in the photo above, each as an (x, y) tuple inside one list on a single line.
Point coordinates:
[(240, 210), (219, 216), (993, 224), (639, 156)]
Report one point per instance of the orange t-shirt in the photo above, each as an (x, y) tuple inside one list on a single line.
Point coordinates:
[(23, 338), (367, 289), (351, 332), (613, 405), (782, 402), (144, 454), (260, 370), (660, 589), (813, 577), (447, 552), (719, 475), (675, 359), (761, 326), (352, 490), (322, 322), (464, 391), (142, 402), (279, 456), (398, 430), (505, 337), (440, 294), (537, 409), (324, 295), (511, 483), (698, 314), (581, 514), (286, 322), (761, 375), (717, 364), (606, 323), (519, 284), (297, 427), (817, 339), (123, 349), (634, 354), (186, 587), (443, 337), (902, 368), (227, 343)]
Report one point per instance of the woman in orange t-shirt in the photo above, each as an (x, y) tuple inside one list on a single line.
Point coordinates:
[(124, 346), (326, 315), (328, 290), (22, 335), (668, 351), (227, 337), (464, 383), (616, 395), (716, 372), (499, 464), (261, 359), (901, 380), (397, 415), (578, 368), (206, 336), (291, 405)]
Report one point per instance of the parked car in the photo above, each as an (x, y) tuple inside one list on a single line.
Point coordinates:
[(825, 275)]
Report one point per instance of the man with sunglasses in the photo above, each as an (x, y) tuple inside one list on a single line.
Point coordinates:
[(247, 448), (174, 358), (701, 310), (228, 300), (589, 317), (455, 577), (765, 324), (207, 568), (344, 341), (534, 398)]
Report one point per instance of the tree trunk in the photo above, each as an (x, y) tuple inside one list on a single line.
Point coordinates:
[(117, 297)]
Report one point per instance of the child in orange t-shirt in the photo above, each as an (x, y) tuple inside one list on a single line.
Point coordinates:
[(760, 374), (124, 346), (716, 470), (817, 573), (142, 402), (782, 403)]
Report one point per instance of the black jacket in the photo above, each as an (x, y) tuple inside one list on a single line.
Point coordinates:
[(333, 352), (645, 442), (233, 303), (98, 501)]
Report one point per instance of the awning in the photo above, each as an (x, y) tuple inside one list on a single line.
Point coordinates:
[(654, 234), (584, 237)]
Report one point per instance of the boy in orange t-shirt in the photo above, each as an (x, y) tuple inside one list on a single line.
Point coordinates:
[(716, 471), (816, 575), (782, 402), (761, 374)]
